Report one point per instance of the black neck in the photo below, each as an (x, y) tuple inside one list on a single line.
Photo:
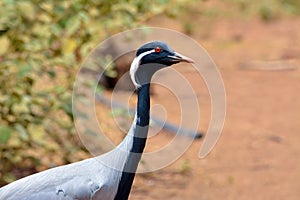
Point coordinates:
[(139, 141), (143, 105)]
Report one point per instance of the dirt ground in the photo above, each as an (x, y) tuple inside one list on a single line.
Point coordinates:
[(258, 154)]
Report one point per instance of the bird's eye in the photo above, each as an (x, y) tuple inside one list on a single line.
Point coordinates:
[(157, 49)]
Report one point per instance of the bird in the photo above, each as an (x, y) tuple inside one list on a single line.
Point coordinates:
[(108, 176)]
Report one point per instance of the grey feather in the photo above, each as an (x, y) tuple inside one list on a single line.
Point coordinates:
[(84, 180), (91, 179)]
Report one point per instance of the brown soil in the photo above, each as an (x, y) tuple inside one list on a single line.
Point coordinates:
[(258, 154)]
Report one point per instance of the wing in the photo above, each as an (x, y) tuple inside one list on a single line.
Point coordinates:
[(81, 181), (79, 188)]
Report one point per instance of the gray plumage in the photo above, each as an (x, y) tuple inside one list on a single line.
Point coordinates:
[(84, 180), (94, 178)]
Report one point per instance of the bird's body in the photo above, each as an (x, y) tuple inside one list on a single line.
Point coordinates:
[(83, 180), (108, 176), (94, 178)]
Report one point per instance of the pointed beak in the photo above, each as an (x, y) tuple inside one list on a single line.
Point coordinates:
[(181, 58)]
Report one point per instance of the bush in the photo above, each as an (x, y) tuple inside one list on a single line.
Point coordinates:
[(42, 44)]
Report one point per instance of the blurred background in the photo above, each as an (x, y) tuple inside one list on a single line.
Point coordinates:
[(256, 46)]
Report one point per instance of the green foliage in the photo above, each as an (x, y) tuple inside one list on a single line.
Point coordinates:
[(266, 10), (273, 9), (267, 13), (5, 134), (291, 6), (185, 167), (42, 44)]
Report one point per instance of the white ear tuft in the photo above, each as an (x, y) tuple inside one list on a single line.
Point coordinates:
[(135, 65)]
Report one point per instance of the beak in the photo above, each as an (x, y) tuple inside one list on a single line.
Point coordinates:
[(181, 58)]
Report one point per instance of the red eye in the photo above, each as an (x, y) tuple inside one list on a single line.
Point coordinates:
[(157, 49)]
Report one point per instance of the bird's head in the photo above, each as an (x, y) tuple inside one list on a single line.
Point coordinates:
[(150, 58)]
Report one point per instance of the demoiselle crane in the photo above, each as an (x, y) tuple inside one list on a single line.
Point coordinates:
[(110, 175)]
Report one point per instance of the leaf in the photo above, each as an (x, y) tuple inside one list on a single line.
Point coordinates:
[(48, 6), (24, 70), (4, 42), (67, 107), (110, 72), (82, 115), (68, 45), (91, 132), (5, 134), (22, 132), (44, 17), (27, 9), (37, 133), (52, 73), (20, 108), (9, 177), (73, 25)]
